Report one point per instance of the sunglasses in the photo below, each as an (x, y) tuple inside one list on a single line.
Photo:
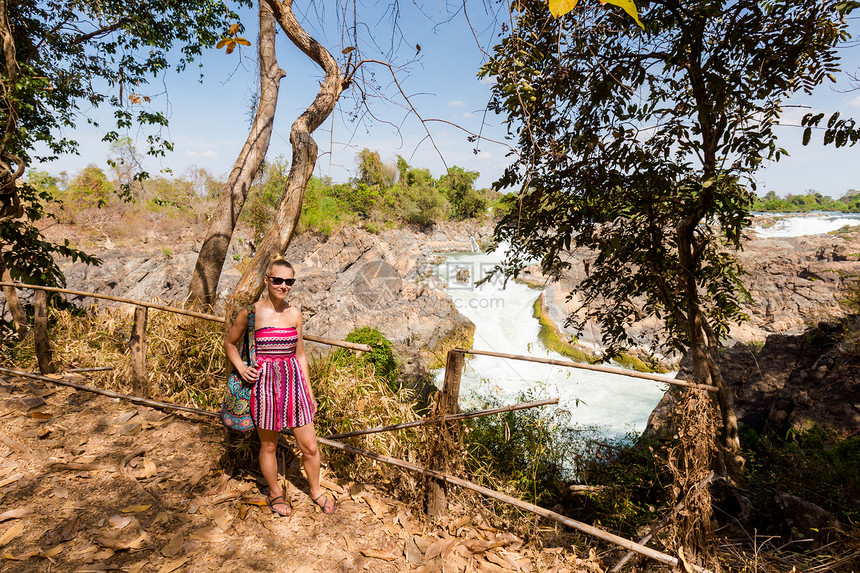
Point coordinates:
[(278, 281)]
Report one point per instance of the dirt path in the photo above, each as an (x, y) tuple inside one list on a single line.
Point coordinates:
[(89, 483)]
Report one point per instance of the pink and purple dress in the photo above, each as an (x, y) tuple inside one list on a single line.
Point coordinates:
[(281, 397)]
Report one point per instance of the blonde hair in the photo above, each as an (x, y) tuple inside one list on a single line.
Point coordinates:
[(279, 261)]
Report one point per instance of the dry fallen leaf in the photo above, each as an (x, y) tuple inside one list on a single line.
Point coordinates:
[(412, 553), (119, 521), (17, 513), (173, 565), (501, 561), (11, 533), (376, 506), (162, 517), (39, 415), (12, 478), (136, 508), (330, 485), (222, 518), (379, 554), (209, 536), (199, 474), (258, 501), (104, 554), (174, 546), (136, 567), (436, 549), (149, 468), (51, 552)]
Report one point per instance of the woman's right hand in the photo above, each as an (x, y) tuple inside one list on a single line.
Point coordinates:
[(251, 373)]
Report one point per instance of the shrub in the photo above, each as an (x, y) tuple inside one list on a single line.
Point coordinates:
[(381, 356)]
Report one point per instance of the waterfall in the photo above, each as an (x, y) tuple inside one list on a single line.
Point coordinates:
[(615, 405)]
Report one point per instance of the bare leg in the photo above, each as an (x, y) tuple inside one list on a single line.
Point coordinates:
[(269, 468), (307, 440)]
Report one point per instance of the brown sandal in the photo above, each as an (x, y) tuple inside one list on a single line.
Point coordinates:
[(325, 504), (272, 501)]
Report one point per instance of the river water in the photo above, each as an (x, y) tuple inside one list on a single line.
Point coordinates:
[(612, 405)]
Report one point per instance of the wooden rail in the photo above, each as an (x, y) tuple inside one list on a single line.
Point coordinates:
[(435, 475), (137, 341), (592, 367), (173, 309)]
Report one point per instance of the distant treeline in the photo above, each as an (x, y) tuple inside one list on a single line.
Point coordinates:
[(381, 196), (812, 201)]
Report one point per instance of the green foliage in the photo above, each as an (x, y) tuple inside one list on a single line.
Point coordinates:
[(815, 466), (90, 188), (378, 202), (466, 201), (523, 453), (633, 484), (812, 201), (265, 195), (646, 158), (381, 356), (27, 254), (62, 56)]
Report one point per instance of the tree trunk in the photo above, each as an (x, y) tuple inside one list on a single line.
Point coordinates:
[(11, 166), (704, 345), (16, 309), (304, 158), (213, 252)]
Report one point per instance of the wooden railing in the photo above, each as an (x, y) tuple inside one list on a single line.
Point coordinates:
[(447, 411), (137, 341)]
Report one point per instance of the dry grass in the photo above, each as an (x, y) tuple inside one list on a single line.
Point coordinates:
[(352, 397), (185, 360)]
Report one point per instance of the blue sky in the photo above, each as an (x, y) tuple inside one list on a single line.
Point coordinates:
[(209, 119)]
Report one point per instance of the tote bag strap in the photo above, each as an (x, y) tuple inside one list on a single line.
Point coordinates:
[(250, 337)]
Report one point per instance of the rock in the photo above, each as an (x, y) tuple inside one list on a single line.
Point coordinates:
[(346, 281), (793, 282), (793, 382), (803, 520)]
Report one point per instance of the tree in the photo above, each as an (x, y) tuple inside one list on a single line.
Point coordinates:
[(216, 242), (59, 56), (458, 185), (642, 145), (304, 158)]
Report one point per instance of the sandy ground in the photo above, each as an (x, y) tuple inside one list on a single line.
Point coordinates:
[(90, 483)]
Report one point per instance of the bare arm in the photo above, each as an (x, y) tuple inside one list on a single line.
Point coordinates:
[(231, 349)]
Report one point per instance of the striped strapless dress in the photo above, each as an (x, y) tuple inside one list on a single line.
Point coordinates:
[(281, 397)]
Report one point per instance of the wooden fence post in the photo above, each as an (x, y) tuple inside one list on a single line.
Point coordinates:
[(138, 352), (40, 333), (437, 500)]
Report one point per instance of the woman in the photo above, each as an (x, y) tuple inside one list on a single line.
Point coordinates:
[(281, 396)]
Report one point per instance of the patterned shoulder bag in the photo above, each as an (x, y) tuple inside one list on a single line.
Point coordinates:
[(236, 408)]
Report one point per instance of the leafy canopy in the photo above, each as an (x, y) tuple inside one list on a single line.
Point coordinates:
[(643, 144), (62, 57)]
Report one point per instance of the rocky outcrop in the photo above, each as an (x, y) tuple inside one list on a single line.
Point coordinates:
[(793, 282), (349, 280), (792, 383)]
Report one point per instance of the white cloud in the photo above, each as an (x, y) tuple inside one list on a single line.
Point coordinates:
[(457, 103), (207, 154), (855, 102), (485, 155), (468, 114)]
